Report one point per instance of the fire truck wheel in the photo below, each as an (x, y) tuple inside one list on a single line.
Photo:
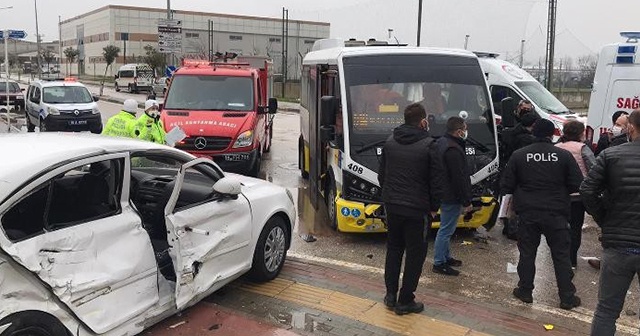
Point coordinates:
[(255, 170), (267, 145)]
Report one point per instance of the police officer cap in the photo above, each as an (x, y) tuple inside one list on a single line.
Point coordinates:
[(149, 104), (543, 128), (528, 119), (130, 105)]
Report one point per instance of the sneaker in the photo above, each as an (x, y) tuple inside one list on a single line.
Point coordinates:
[(411, 307), (522, 295), (390, 300), (445, 269), (575, 302), (454, 262)]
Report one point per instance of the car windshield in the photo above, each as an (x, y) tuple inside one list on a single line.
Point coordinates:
[(13, 87), (542, 98), (213, 93), (66, 95)]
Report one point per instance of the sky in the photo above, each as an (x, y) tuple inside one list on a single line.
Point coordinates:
[(583, 26)]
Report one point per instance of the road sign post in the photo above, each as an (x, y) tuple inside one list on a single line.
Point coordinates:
[(169, 36), (6, 35)]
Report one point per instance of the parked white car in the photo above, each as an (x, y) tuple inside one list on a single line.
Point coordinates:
[(108, 236)]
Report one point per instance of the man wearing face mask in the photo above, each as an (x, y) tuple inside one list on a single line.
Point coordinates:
[(457, 195), (149, 124), (618, 132), (411, 176)]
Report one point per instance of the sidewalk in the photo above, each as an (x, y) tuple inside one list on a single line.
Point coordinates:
[(315, 299)]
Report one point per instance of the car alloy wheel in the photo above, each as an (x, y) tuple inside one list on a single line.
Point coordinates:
[(274, 249)]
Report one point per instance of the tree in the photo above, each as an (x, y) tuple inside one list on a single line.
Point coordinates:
[(109, 53), (587, 67), (48, 56), (153, 58), (71, 55)]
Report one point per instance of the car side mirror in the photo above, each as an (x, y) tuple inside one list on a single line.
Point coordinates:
[(228, 186), (273, 105), (96, 98), (327, 133), (328, 109), (508, 106), (22, 89)]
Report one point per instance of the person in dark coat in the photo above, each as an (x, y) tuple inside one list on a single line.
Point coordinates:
[(617, 135), (541, 177), (411, 176), (457, 196), (610, 195)]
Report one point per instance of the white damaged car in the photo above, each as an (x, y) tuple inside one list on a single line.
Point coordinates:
[(108, 236)]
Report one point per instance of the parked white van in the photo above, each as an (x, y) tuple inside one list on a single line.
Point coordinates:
[(616, 85), (508, 80), (134, 78)]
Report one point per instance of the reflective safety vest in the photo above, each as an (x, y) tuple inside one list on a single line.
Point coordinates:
[(151, 129), (122, 124)]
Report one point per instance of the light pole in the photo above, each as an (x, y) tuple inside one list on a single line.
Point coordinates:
[(466, 41), (60, 45), (35, 3), (5, 36), (419, 21)]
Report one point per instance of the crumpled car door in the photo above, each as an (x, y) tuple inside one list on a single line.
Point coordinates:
[(210, 241)]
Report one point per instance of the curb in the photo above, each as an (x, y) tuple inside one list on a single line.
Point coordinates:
[(12, 129)]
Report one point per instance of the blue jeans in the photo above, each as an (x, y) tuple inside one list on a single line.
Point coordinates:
[(449, 214), (617, 273)]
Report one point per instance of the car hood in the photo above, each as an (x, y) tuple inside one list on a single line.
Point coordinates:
[(203, 123), (250, 182), (74, 106)]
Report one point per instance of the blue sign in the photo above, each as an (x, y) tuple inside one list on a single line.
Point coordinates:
[(169, 71), (345, 212), (355, 213), (14, 34)]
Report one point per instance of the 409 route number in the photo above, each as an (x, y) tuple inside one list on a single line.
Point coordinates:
[(355, 168)]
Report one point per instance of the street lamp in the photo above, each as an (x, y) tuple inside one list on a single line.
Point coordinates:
[(6, 70)]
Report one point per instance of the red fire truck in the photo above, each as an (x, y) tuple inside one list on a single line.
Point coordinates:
[(225, 110)]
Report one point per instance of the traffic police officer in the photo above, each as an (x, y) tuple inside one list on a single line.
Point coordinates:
[(149, 124), (124, 123), (541, 177)]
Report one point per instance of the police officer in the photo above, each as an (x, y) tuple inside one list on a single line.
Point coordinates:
[(149, 124), (124, 124), (541, 177)]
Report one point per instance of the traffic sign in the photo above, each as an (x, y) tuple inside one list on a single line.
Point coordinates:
[(170, 50), (169, 36), (14, 34), (169, 71)]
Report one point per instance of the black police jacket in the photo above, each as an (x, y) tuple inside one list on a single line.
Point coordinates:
[(611, 194), (541, 177), (457, 183), (411, 173)]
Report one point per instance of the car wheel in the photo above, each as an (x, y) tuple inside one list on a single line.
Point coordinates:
[(43, 125), (117, 88), (35, 324), (267, 147), (271, 251), (330, 198), (30, 126)]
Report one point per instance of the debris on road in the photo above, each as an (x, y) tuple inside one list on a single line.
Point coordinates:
[(177, 325), (511, 268), (548, 327), (465, 243)]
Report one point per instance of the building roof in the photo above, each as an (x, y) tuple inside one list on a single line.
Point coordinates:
[(164, 10)]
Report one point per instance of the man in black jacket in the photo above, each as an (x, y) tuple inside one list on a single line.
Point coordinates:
[(457, 193), (610, 195), (618, 134), (411, 177), (541, 177)]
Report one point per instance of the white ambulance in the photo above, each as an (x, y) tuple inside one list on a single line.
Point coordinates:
[(508, 80), (616, 86)]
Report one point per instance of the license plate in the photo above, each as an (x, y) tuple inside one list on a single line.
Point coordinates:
[(236, 157), (77, 122)]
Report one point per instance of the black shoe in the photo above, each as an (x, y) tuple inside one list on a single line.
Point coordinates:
[(390, 301), (522, 295), (411, 307), (512, 236), (575, 302), (454, 262), (445, 269)]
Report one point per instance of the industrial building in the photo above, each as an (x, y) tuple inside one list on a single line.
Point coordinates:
[(133, 28)]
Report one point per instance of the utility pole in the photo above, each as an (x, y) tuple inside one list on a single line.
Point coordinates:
[(551, 42), (285, 51), (419, 21), (35, 3), (466, 41), (60, 44), (521, 53), (169, 59), (210, 31), (390, 31)]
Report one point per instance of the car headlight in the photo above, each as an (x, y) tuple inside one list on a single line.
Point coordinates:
[(357, 189), (20, 97), (244, 140), (95, 110), (53, 111)]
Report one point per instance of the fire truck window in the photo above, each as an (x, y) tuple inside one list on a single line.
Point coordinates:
[(210, 93)]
